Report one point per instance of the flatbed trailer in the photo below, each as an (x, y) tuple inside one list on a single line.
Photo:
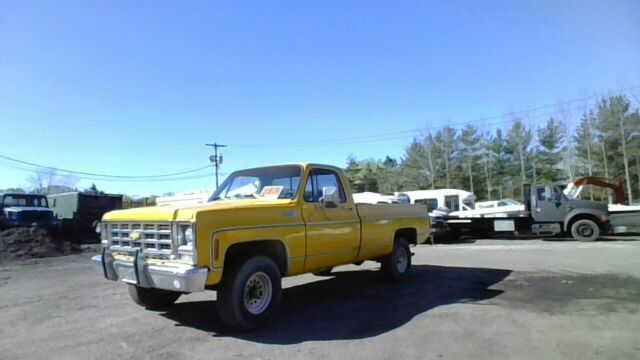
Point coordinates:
[(547, 212)]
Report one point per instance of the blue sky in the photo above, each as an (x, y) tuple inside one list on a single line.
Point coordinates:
[(138, 88)]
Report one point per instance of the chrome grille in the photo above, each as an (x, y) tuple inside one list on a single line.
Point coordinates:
[(153, 239)]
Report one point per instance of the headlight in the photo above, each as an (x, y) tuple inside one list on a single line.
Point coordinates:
[(12, 215), (186, 243), (188, 235), (185, 235), (103, 229)]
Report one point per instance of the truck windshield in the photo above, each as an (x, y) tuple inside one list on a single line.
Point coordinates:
[(24, 200), (276, 182)]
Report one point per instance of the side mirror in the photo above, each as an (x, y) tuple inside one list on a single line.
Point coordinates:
[(330, 197)]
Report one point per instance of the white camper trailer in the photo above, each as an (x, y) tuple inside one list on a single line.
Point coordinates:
[(374, 198), (446, 200)]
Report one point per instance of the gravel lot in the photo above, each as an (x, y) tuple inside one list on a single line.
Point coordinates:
[(484, 299)]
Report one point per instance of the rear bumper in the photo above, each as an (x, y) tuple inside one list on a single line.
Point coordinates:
[(183, 279)]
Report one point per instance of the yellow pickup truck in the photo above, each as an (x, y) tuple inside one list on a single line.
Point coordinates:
[(261, 224)]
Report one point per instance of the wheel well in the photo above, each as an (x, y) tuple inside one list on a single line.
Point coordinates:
[(582, 217), (271, 248), (409, 234)]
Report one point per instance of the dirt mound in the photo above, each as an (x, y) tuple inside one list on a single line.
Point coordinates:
[(27, 243)]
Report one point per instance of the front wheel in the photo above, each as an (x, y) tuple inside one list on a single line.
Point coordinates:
[(250, 294), (396, 265), (585, 230), (153, 299)]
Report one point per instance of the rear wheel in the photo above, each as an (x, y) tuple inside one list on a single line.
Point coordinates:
[(153, 299), (585, 230), (249, 296), (396, 265)]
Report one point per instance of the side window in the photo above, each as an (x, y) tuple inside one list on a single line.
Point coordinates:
[(289, 186), (452, 202), (550, 194), (430, 204), (308, 190), (319, 179)]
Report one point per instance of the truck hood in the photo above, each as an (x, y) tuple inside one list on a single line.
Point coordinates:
[(185, 212), (588, 205)]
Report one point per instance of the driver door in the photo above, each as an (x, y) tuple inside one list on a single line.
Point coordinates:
[(333, 232), (550, 205)]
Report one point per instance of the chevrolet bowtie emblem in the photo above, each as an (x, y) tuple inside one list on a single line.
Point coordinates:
[(134, 235)]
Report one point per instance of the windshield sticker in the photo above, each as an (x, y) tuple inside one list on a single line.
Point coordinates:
[(271, 192)]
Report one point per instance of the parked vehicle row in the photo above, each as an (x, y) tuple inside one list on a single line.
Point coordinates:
[(71, 215)]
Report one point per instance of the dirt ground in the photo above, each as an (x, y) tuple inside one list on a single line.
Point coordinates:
[(483, 299)]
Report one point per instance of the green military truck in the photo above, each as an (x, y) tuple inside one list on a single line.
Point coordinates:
[(79, 212)]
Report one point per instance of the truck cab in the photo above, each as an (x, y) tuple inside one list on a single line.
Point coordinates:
[(553, 213), (22, 210)]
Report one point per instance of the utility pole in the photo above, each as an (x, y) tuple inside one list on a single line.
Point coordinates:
[(215, 159)]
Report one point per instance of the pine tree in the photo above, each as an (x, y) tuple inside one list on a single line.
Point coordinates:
[(488, 158), (469, 150), (549, 156), (502, 159), (586, 145), (617, 122), (388, 178), (430, 152), (353, 174), (369, 174), (519, 140), (447, 144), (414, 171)]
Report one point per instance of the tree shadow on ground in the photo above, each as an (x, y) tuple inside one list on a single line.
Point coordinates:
[(352, 304)]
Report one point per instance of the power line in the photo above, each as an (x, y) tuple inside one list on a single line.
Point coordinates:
[(382, 138), (82, 177), (142, 177), (396, 134)]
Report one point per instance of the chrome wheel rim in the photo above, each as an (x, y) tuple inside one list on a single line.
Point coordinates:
[(402, 260), (257, 293)]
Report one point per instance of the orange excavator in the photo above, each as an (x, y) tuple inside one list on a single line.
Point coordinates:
[(574, 188)]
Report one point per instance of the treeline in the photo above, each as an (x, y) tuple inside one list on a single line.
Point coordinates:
[(494, 164)]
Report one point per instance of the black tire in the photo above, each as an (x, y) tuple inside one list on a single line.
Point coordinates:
[(153, 299), (259, 279), (585, 230), (454, 235), (397, 265)]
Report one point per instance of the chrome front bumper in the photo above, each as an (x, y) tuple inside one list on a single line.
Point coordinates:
[(183, 279)]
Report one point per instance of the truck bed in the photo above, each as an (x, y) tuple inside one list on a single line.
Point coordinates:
[(388, 218)]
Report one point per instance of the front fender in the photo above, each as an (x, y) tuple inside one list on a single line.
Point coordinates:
[(602, 216)]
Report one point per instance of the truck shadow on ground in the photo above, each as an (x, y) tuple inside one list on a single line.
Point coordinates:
[(609, 238), (352, 304)]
